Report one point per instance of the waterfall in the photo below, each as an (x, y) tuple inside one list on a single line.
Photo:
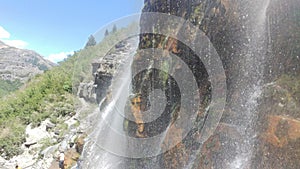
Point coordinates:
[(108, 132), (108, 140), (250, 81)]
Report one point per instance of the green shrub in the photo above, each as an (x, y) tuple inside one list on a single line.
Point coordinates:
[(7, 86), (11, 138)]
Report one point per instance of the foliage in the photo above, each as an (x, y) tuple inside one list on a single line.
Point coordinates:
[(11, 137), (114, 29), (106, 33), (7, 86), (33, 104), (91, 41)]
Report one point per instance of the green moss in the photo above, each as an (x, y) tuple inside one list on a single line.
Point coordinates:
[(165, 75), (197, 15), (292, 84)]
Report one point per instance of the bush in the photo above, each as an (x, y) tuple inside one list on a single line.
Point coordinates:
[(11, 138)]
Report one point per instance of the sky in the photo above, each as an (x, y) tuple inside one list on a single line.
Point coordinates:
[(56, 28)]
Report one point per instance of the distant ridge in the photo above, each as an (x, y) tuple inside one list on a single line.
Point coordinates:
[(20, 64)]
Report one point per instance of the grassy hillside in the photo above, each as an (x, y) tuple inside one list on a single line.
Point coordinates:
[(7, 86), (45, 96), (48, 95)]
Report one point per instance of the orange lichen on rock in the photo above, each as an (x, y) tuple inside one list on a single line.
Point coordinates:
[(281, 130), (171, 45), (71, 156), (80, 143), (136, 109), (213, 145), (173, 136), (177, 156)]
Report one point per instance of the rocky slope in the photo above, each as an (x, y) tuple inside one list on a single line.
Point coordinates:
[(105, 68), (21, 64), (44, 142)]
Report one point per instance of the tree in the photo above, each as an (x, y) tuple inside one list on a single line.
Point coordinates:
[(106, 33), (114, 29), (91, 41)]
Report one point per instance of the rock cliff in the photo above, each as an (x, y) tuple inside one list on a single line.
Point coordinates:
[(230, 26), (105, 68)]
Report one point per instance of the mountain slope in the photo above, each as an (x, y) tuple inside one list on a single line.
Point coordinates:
[(17, 66), (20, 64)]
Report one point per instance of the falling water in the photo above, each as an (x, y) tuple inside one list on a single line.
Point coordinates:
[(109, 122), (250, 81), (248, 85)]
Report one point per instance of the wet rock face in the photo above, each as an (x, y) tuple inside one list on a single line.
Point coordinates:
[(147, 81), (217, 19), (279, 127), (283, 24), (213, 152), (225, 23), (281, 131), (278, 132)]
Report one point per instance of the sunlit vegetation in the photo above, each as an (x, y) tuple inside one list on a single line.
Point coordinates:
[(7, 86), (45, 96), (49, 95)]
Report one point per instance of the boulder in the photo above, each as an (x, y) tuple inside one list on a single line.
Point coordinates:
[(87, 91), (80, 144), (49, 126), (71, 156)]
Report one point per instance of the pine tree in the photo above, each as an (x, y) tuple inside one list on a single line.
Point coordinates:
[(114, 29), (106, 33), (91, 41)]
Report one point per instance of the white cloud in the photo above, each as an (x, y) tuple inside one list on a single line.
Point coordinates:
[(3, 33), (16, 43), (5, 37), (58, 56)]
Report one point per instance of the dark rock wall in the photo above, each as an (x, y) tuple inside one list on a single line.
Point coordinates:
[(87, 92), (105, 68), (223, 22), (203, 14), (284, 38)]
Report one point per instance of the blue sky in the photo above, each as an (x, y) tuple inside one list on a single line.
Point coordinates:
[(55, 28)]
